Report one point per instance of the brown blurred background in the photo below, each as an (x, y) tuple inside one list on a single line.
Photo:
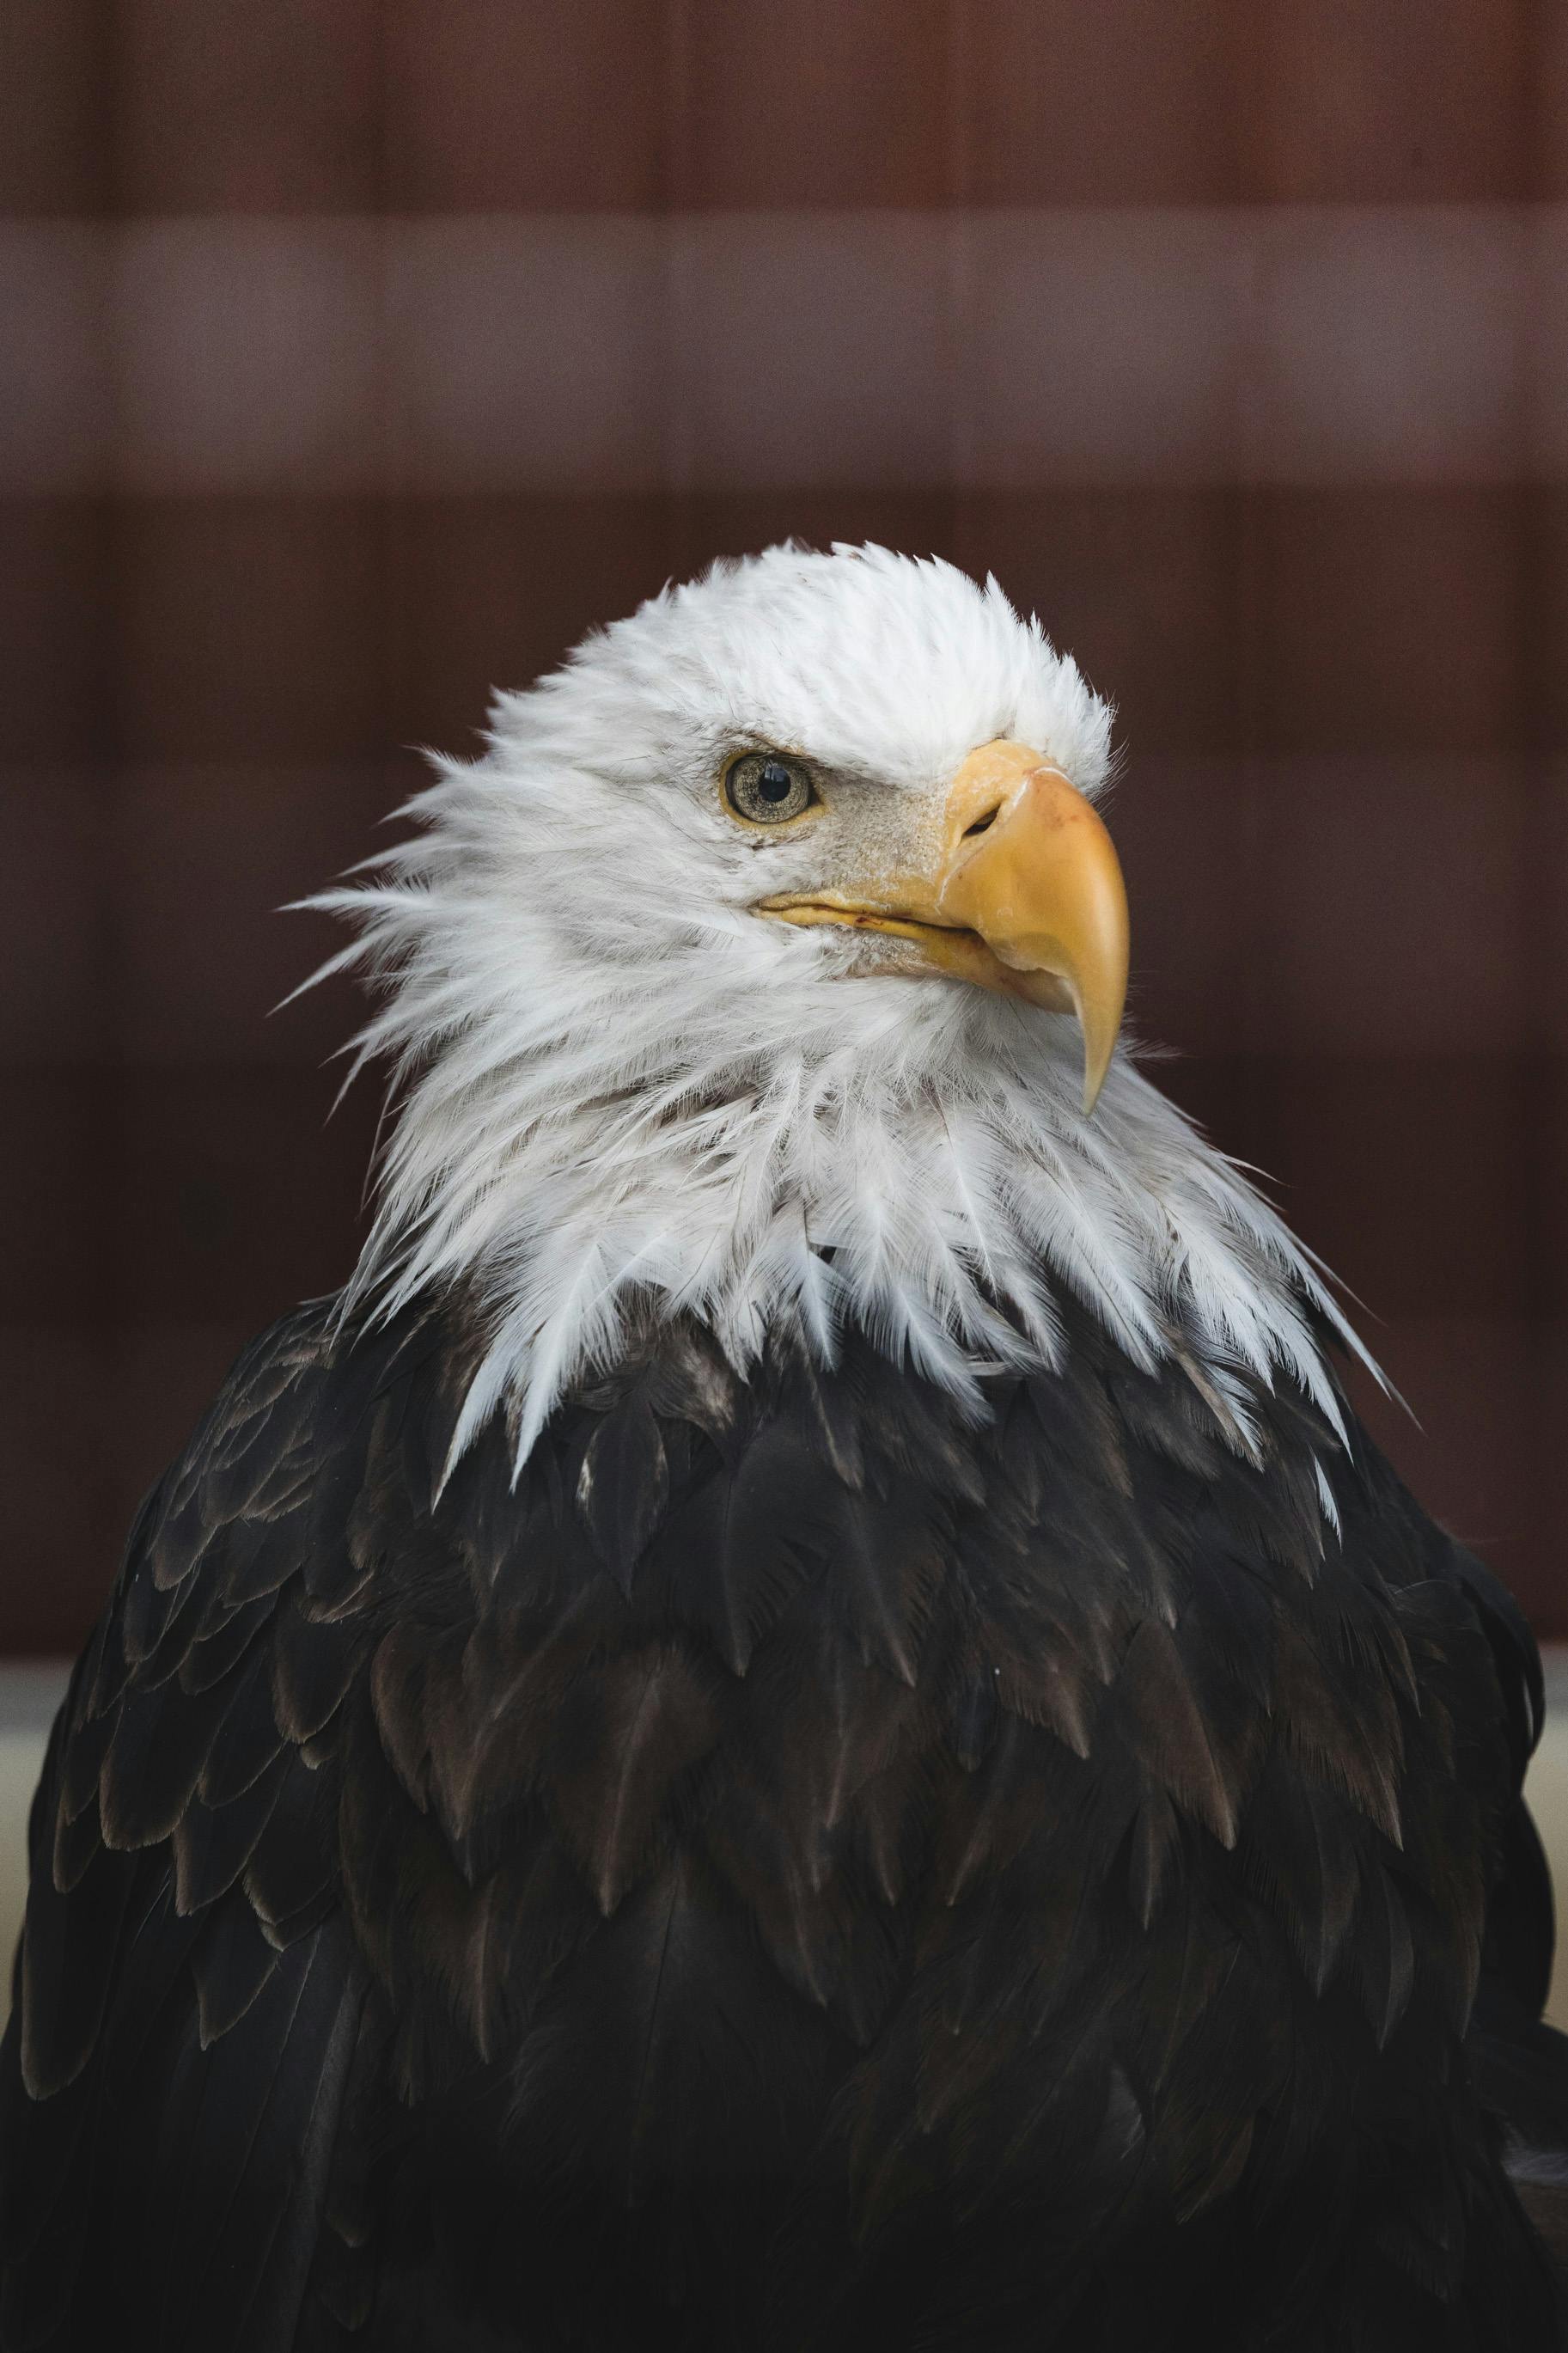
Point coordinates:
[(354, 357)]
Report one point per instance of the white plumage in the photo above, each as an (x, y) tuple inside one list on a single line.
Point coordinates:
[(616, 1085)]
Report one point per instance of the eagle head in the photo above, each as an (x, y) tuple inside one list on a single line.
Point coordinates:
[(769, 969)]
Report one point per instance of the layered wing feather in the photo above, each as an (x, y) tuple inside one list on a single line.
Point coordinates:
[(187, 1996)]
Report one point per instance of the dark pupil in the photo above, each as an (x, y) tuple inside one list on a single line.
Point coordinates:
[(775, 783)]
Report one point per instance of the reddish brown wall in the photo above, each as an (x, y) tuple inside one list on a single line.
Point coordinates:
[(356, 356)]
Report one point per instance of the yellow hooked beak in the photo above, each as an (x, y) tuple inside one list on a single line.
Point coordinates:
[(1025, 896)]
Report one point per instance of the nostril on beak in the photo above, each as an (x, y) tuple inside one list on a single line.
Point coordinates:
[(981, 823)]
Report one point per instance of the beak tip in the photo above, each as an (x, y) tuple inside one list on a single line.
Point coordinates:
[(1096, 1070)]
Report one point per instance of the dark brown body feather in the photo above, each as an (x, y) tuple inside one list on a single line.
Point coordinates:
[(799, 1870)]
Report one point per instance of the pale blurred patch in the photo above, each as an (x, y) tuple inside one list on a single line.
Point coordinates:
[(29, 1695), (1547, 1790)]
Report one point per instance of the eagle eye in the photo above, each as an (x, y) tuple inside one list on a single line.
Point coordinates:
[(768, 787)]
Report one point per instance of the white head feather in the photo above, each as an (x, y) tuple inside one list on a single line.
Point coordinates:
[(619, 1087)]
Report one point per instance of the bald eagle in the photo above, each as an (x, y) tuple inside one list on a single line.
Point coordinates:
[(802, 1720)]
